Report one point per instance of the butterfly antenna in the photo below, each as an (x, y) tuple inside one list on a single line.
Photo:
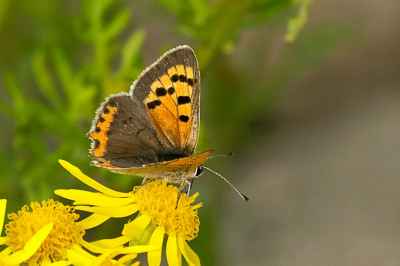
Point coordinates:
[(242, 195)]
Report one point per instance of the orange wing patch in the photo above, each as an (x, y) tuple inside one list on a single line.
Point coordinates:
[(99, 135), (184, 104), (170, 104), (162, 109), (190, 82)]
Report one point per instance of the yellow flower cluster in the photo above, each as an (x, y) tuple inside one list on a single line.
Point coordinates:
[(50, 233)]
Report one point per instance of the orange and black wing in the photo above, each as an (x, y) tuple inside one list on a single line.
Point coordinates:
[(157, 121), (170, 92)]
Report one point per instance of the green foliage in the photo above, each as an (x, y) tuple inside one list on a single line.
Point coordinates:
[(51, 106), (216, 25), (297, 23), (3, 9)]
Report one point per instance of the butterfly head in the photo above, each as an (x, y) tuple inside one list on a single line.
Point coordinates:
[(199, 171)]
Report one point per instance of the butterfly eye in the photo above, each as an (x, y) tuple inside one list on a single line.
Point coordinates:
[(199, 170)]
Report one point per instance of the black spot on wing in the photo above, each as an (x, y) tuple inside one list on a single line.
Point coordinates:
[(161, 91), (175, 78), (184, 118), (183, 100), (182, 78), (171, 90), (96, 143), (153, 104)]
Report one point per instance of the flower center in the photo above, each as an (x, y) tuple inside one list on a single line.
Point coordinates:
[(170, 208), (27, 221)]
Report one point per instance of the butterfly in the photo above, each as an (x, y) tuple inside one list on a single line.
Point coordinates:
[(152, 131)]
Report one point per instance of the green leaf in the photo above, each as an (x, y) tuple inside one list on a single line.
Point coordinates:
[(97, 8), (3, 10), (16, 95), (200, 11), (131, 52), (44, 80), (117, 25), (296, 24), (262, 11), (64, 71), (173, 6), (81, 107)]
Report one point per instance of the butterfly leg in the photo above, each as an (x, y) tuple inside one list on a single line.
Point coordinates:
[(187, 186), (190, 183)]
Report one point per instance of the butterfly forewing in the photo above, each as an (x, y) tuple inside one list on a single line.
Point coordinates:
[(169, 90)]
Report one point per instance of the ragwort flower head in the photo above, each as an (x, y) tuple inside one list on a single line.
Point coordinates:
[(169, 208), (7, 256), (65, 231)]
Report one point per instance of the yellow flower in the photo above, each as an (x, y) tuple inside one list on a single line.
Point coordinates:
[(78, 256), (164, 210), (161, 211), (48, 233), (26, 222), (30, 246)]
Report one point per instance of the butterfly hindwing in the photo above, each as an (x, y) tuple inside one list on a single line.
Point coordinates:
[(123, 134), (170, 92)]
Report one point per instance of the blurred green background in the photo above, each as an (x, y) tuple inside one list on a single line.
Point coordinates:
[(305, 95)]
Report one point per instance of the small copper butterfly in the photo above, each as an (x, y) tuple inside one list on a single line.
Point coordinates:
[(152, 131)]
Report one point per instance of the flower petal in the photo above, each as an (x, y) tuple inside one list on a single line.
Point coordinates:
[(31, 246), (5, 252), (112, 242), (105, 259), (79, 257), (154, 257), (3, 204), (117, 212), (93, 248), (82, 197), (190, 256), (59, 263), (173, 254), (124, 259), (197, 206), (76, 172), (93, 220), (134, 230), (139, 249), (3, 240), (194, 197), (123, 250)]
